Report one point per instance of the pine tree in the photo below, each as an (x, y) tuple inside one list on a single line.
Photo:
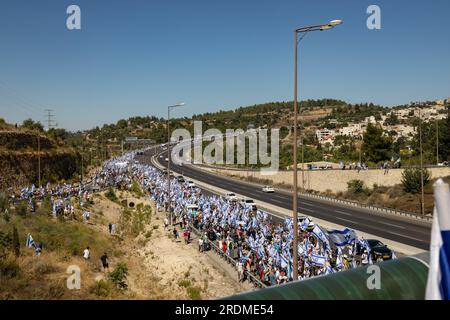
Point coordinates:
[(15, 242)]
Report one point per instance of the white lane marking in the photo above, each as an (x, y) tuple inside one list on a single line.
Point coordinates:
[(402, 235), (392, 225), (346, 220), (398, 234), (282, 202), (307, 204), (344, 213)]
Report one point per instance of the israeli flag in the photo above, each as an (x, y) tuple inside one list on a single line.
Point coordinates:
[(30, 241), (320, 234), (438, 285), (261, 251), (304, 225), (284, 261), (318, 260), (342, 238)]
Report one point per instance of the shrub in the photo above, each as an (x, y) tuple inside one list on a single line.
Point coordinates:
[(9, 268), (46, 205), (136, 190), (111, 195), (102, 288), (119, 275), (194, 293), (184, 283), (42, 267), (3, 202), (411, 179), (56, 290), (22, 209), (355, 186)]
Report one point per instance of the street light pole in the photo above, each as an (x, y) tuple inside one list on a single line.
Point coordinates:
[(422, 206), (295, 191), (437, 142), (39, 158), (168, 157), (297, 40)]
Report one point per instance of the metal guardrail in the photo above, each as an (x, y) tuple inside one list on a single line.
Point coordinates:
[(376, 209), (369, 207), (255, 281)]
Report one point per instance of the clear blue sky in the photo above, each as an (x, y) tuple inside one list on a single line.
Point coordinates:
[(134, 57)]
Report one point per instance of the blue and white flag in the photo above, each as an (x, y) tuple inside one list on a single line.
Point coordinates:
[(438, 285), (342, 238), (320, 234), (318, 260), (304, 225), (30, 241), (284, 261)]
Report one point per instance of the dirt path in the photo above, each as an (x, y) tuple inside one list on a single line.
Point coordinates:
[(177, 263), (159, 266)]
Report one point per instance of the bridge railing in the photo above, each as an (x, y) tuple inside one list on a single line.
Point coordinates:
[(251, 277)]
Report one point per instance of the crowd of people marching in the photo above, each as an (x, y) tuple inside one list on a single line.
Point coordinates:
[(259, 245)]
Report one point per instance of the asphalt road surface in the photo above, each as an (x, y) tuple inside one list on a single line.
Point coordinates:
[(405, 231)]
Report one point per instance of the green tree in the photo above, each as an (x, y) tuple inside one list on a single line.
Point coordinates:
[(444, 140), (3, 202), (119, 275), (411, 179), (15, 242), (392, 120), (376, 146), (355, 186), (32, 125)]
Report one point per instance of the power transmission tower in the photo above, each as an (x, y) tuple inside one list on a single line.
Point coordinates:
[(51, 123)]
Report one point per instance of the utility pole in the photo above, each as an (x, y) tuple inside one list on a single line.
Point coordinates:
[(168, 158), (50, 118)]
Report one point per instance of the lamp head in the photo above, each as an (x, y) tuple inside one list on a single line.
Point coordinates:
[(335, 23)]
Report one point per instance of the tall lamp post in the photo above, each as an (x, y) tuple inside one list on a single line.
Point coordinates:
[(422, 195), (168, 155), (437, 142), (303, 31)]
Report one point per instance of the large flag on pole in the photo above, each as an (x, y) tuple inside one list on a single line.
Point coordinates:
[(438, 285)]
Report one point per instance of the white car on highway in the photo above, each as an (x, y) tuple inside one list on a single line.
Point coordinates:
[(249, 203), (191, 184), (268, 189), (231, 196)]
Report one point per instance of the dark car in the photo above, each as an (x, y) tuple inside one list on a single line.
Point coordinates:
[(180, 179), (379, 250)]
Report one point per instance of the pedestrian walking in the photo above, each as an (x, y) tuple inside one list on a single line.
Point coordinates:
[(166, 223), (86, 254), (105, 262), (240, 270)]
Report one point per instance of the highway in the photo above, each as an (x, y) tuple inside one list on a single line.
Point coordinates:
[(399, 229)]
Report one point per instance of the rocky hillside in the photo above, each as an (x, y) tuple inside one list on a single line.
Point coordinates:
[(19, 159)]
